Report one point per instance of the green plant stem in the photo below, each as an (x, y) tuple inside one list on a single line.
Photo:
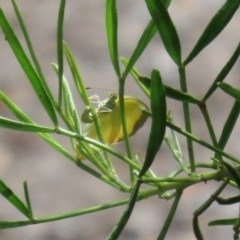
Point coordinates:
[(203, 177), (176, 172), (204, 207), (106, 175), (52, 218), (52, 142), (100, 145), (170, 216), (129, 161), (126, 214), (208, 121), (174, 146), (203, 143), (211, 131), (112, 34), (168, 184), (187, 118), (124, 126)]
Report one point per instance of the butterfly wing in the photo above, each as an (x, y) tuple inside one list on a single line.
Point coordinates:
[(110, 126), (136, 114), (110, 122)]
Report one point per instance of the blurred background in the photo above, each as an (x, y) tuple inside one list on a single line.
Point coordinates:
[(56, 185)]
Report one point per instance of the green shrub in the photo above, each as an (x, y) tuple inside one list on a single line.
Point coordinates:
[(119, 117)]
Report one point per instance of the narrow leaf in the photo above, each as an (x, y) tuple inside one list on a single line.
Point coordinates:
[(215, 26), (229, 125), (135, 74), (227, 88), (60, 48), (224, 72), (76, 74), (27, 197), (31, 49), (13, 199), (171, 92), (158, 109), (144, 40), (228, 221), (22, 126), (146, 37), (145, 84), (166, 29), (180, 96), (112, 33), (27, 67), (70, 109)]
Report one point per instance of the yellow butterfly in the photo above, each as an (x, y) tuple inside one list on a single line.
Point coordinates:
[(108, 113)]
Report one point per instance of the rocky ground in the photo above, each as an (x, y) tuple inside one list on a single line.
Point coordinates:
[(56, 185)]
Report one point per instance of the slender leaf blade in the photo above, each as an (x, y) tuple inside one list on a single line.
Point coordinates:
[(70, 109), (171, 92), (135, 74), (31, 49), (13, 199), (224, 72), (144, 40), (27, 67), (214, 27), (28, 202), (60, 49), (112, 33), (22, 126), (229, 125), (78, 80), (227, 88), (166, 29), (159, 115), (226, 221)]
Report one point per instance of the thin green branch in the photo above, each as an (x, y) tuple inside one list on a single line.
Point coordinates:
[(126, 214), (204, 207), (209, 124), (170, 216), (187, 118), (203, 143), (52, 218)]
